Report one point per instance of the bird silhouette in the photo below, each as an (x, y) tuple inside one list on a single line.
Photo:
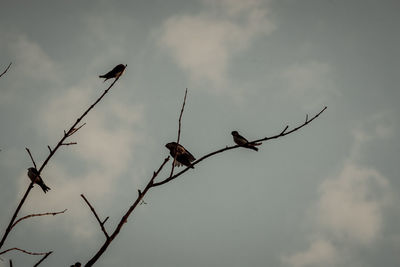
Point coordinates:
[(33, 174), (114, 73), (243, 142), (183, 157)]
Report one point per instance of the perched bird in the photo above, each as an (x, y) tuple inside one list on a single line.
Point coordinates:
[(241, 141), (35, 177), (114, 73), (183, 157)]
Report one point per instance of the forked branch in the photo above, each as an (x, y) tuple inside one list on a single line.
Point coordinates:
[(124, 218), (60, 143), (37, 215), (97, 217), (281, 134)]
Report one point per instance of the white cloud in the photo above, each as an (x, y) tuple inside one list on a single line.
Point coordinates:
[(320, 253), (203, 44), (30, 60), (349, 211), (350, 205)]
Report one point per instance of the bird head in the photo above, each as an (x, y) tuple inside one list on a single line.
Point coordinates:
[(171, 145), (234, 133)]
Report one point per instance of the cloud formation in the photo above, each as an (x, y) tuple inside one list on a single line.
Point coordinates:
[(349, 211), (204, 44)]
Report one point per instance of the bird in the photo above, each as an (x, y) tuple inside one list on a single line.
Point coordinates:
[(183, 157), (114, 73), (241, 141), (33, 174)]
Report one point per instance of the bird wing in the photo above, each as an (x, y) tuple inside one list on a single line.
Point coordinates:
[(189, 156)]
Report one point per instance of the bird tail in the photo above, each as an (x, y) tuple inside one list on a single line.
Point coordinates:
[(44, 187), (103, 76), (253, 147)]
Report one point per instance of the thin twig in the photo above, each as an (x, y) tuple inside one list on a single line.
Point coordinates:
[(49, 148), (179, 133), (53, 151), (11, 265), (69, 144), (97, 217), (74, 130), (30, 155), (283, 133), (105, 220), (4, 72), (43, 258), (124, 218), (24, 251), (37, 215)]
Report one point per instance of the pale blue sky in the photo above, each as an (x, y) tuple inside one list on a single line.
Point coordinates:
[(327, 195)]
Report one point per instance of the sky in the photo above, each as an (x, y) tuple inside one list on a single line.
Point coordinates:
[(327, 195)]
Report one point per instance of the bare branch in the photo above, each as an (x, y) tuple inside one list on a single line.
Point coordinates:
[(179, 133), (284, 130), (74, 130), (105, 220), (69, 144), (11, 265), (30, 155), (124, 218), (8, 229), (283, 133), (49, 148), (43, 258), (53, 151), (97, 217), (4, 72), (37, 215), (24, 251)]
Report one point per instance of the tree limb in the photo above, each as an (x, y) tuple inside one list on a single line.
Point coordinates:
[(97, 217), (30, 155), (24, 251), (51, 154), (124, 218), (37, 215), (281, 134), (179, 132), (43, 258)]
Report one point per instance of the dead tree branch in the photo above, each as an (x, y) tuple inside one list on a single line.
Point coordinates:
[(171, 177), (45, 254), (4, 72), (124, 218), (37, 215), (30, 155), (281, 134), (24, 251), (97, 217), (60, 143), (69, 144), (179, 132), (43, 258)]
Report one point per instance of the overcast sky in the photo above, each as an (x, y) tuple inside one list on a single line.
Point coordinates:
[(327, 195)]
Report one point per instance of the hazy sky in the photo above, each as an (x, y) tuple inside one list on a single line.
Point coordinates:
[(327, 195)]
